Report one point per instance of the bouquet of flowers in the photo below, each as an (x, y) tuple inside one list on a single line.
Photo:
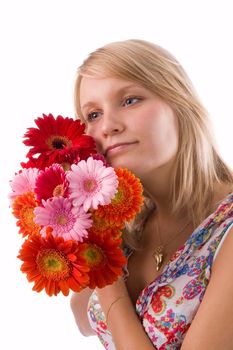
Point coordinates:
[(71, 208)]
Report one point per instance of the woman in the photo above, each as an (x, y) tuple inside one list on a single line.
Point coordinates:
[(142, 110)]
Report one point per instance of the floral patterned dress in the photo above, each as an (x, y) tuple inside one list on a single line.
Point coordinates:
[(167, 306)]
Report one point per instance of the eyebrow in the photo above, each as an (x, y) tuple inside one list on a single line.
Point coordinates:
[(119, 92)]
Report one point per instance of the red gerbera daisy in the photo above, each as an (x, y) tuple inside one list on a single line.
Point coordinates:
[(56, 136), (64, 158), (33, 162), (23, 209), (51, 183), (99, 156), (104, 257), (127, 201), (54, 264)]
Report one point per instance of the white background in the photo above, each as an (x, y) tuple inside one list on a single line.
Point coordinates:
[(42, 44)]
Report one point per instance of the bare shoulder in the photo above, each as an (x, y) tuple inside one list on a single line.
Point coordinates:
[(212, 327)]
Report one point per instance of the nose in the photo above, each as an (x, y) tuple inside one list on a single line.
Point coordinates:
[(111, 124)]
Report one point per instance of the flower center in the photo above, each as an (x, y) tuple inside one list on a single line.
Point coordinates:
[(66, 166), (94, 256), (118, 197), (52, 264), (58, 190), (58, 142), (90, 185), (101, 224), (62, 219), (27, 215)]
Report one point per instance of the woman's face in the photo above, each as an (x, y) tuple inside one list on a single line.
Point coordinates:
[(132, 127)]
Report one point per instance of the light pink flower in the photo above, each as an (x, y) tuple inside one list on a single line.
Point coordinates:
[(66, 221), (92, 183), (23, 182)]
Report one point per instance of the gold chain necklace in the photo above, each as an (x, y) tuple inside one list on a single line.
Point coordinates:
[(158, 254)]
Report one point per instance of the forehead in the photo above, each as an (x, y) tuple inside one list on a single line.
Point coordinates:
[(91, 89)]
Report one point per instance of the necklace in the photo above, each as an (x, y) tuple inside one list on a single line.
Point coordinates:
[(158, 254)]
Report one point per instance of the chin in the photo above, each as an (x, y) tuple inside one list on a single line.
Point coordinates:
[(131, 166)]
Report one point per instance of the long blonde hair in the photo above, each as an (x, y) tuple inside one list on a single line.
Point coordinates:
[(198, 166)]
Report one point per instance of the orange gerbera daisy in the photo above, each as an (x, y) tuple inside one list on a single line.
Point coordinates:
[(101, 225), (105, 258), (23, 209), (127, 201), (54, 264)]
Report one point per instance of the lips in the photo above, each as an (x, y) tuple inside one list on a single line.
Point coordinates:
[(117, 145)]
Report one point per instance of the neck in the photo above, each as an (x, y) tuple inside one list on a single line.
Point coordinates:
[(169, 224), (161, 230), (157, 185)]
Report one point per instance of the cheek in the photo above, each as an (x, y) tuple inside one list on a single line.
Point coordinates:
[(161, 129), (90, 131)]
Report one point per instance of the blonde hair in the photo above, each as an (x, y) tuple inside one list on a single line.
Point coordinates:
[(198, 166)]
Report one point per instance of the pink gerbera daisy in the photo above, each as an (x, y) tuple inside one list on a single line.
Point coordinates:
[(92, 183), (66, 221), (23, 182), (51, 182)]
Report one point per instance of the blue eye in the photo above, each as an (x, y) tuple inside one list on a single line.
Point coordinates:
[(92, 116), (131, 100)]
